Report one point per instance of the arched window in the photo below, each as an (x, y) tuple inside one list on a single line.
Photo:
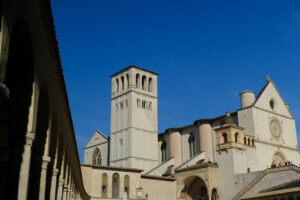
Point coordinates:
[(115, 185), (97, 157), (245, 140), (150, 85), (224, 137), (163, 151), (126, 185), (137, 81), (253, 142), (118, 88), (192, 146), (143, 82), (127, 77), (249, 141), (122, 80), (104, 185), (236, 136)]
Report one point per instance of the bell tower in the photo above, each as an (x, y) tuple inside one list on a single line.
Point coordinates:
[(134, 118)]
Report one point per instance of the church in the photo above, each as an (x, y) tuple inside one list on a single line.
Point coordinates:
[(250, 153)]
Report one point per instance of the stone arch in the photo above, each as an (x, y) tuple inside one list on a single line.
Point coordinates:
[(127, 78), (144, 78), (236, 137), (115, 185), (127, 185), (38, 145), (104, 185), (279, 158), (194, 189), (150, 85), (16, 84)]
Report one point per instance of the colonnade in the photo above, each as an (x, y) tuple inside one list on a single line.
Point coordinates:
[(38, 151)]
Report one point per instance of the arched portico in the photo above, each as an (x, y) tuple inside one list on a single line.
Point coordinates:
[(197, 181), (194, 189), (18, 77)]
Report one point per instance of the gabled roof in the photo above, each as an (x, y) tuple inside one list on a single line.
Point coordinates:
[(96, 132), (269, 81)]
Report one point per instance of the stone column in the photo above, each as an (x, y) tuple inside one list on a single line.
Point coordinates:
[(54, 173), (45, 161), (25, 167), (175, 145), (66, 186), (65, 193), (60, 189), (61, 178), (131, 79)]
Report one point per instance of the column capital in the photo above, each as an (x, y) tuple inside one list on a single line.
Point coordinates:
[(61, 182), (29, 138), (55, 172), (66, 188), (45, 161)]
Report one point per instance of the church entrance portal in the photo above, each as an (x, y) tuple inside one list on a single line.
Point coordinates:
[(195, 189)]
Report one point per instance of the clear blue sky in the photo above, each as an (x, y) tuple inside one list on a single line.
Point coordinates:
[(206, 53)]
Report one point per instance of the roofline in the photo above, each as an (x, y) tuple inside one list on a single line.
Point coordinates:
[(162, 178), (202, 120), (133, 66), (113, 168), (93, 135)]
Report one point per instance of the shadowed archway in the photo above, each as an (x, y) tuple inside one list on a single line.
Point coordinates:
[(195, 189)]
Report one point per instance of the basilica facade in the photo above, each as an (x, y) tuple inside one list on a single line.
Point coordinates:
[(233, 156)]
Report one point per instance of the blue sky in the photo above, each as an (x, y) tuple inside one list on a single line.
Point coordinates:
[(206, 53)]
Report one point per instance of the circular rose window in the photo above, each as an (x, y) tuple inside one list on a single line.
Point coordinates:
[(275, 128)]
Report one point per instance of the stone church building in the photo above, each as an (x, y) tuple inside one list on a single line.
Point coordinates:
[(234, 156)]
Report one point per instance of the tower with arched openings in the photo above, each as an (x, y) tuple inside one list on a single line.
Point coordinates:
[(134, 118)]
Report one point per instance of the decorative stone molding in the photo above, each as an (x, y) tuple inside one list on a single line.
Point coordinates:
[(45, 161), (29, 138)]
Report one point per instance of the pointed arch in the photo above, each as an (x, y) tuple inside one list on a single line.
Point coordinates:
[(96, 158)]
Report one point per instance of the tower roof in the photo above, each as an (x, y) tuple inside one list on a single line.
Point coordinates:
[(132, 66)]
